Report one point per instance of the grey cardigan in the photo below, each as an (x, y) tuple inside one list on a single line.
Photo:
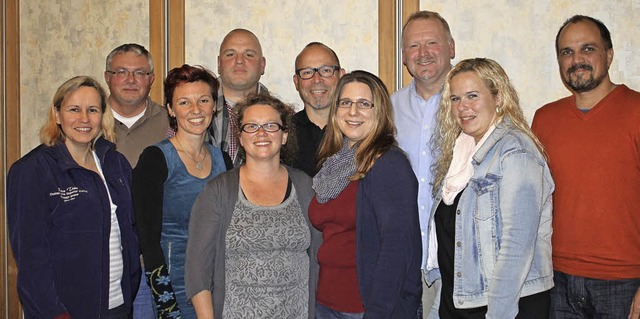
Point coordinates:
[(210, 219)]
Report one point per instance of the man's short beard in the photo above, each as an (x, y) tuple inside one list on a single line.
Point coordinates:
[(319, 106), (580, 85), (424, 77), (130, 102)]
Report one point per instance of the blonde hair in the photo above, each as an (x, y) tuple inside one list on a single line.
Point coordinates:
[(382, 135), (51, 133), (447, 129)]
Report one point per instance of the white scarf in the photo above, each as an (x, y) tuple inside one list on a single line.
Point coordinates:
[(461, 169), (457, 178)]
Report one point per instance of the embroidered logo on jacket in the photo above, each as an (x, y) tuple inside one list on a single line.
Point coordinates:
[(68, 194)]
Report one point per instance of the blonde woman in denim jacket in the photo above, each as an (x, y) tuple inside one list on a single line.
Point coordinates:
[(492, 209)]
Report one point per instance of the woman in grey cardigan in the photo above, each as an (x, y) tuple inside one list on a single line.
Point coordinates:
[(251, 251)]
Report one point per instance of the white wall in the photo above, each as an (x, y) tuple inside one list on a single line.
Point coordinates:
[(60, 41), (520, 35), (284, 27)]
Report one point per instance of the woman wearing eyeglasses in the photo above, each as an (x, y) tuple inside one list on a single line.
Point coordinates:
[(251, 250), (366, 208), (166, 181)]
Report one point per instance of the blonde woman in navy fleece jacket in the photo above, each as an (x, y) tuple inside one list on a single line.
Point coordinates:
[(70, 214), (365, 205)]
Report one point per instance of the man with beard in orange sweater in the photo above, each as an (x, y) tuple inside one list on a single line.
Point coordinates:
[(592, 139)]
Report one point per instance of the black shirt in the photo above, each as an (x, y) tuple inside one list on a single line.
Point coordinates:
[(308, 136), (445, 222), (533, 306)]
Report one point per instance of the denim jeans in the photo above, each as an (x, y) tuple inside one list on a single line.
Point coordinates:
[(580, 297), (143, 306), (430, 300), (323, 312)]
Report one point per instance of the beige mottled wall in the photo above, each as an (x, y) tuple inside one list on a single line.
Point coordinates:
[(520, 35), (61, 39), (284, 27)]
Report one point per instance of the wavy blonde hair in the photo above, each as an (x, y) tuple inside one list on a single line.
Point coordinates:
[(382, 135), (447, 129), (51, 132)]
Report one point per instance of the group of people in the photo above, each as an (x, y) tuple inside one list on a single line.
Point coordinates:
[(438, 201)]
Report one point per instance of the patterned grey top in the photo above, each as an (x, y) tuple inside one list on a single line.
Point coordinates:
[(267, 266)]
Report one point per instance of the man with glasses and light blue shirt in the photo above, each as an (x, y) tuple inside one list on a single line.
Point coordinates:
[(427, 50), (139, 122), (317, 71)]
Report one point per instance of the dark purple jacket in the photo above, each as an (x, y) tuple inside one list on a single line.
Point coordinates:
[(59, 222), (388, 244)]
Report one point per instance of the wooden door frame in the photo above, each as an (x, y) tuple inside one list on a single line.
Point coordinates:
[(166, 26), (389, 33), (10, 149)]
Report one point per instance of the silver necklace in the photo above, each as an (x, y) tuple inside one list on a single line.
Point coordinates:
[(198, 164)]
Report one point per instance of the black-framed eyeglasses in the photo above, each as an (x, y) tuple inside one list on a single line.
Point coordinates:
[(325, 71), (361, 104), (271, 127), (124, 73)]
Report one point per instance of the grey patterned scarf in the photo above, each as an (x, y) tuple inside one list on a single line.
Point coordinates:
[(332, 178)]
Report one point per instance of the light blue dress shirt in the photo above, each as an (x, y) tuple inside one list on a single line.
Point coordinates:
[(415, 121)]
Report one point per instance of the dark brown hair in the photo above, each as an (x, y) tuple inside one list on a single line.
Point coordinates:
[(187, 74), (289, 150)]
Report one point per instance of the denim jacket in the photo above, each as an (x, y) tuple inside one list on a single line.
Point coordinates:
[(503, 225)]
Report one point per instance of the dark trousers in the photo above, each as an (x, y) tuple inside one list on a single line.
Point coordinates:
[(120, 312), (580, 297)]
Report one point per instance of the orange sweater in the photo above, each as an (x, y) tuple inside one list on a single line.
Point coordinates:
[(595, 162)]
